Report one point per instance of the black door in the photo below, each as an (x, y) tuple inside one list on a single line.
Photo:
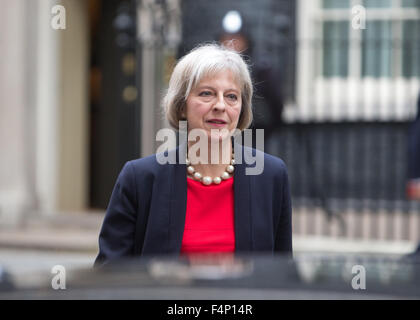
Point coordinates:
[(114, 108)]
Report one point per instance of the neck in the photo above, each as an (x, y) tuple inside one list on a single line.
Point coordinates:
[(213, 160)]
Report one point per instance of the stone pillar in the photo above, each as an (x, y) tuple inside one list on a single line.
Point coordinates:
[(43, 109), (47, 86), (73, 147), (159, 34), (14, 184)]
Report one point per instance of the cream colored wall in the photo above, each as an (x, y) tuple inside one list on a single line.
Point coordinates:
[(74, 108)]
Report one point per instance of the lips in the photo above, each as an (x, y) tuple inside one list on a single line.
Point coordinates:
[(216, 121)]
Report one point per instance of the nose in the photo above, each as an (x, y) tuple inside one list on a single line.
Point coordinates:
[(220, 103)]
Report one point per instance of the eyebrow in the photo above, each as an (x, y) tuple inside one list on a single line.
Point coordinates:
[(210, 87)]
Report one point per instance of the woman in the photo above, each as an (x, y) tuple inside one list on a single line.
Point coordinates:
[(205, 202)]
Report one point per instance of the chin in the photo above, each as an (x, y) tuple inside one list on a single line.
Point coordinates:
[(218, 137)]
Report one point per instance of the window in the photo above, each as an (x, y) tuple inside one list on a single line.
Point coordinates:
[(388, 47), (346, 73), (410, 3), (336, 48), (377, 49), (377, 3), (411, 46), (336, 4)]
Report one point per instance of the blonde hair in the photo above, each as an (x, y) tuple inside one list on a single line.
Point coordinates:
[(202, 61)]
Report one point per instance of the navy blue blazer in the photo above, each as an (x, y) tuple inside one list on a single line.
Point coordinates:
[(146, 212)]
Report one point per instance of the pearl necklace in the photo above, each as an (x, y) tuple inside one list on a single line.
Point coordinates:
[(206, 180)]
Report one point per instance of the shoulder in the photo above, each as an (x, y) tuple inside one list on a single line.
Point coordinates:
[(151, 165), (146, 163), (272, 164)]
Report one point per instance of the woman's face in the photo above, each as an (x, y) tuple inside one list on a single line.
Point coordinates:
[(215, 103)]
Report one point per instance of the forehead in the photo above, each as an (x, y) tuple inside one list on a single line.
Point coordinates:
[(225, 77)]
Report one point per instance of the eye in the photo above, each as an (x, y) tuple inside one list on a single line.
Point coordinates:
[(205, 93), (232, 97)]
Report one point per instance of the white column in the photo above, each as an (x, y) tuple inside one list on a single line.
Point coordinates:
[(13, 179), (47, 103), (154, 18), (43, 109), (305, 50), (148, 102), (62, 108), (73, 60)]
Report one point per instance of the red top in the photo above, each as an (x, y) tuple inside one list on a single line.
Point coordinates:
[(209, 221)]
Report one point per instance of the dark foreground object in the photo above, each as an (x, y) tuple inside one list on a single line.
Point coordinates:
[(307, 276)]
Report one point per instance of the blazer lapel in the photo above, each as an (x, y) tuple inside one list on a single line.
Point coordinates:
[(178, 204), (242, 194)]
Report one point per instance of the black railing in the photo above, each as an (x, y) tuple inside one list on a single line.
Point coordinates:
[(346, 161)]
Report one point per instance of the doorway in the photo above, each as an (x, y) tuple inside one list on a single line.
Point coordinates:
[(114, 108)]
